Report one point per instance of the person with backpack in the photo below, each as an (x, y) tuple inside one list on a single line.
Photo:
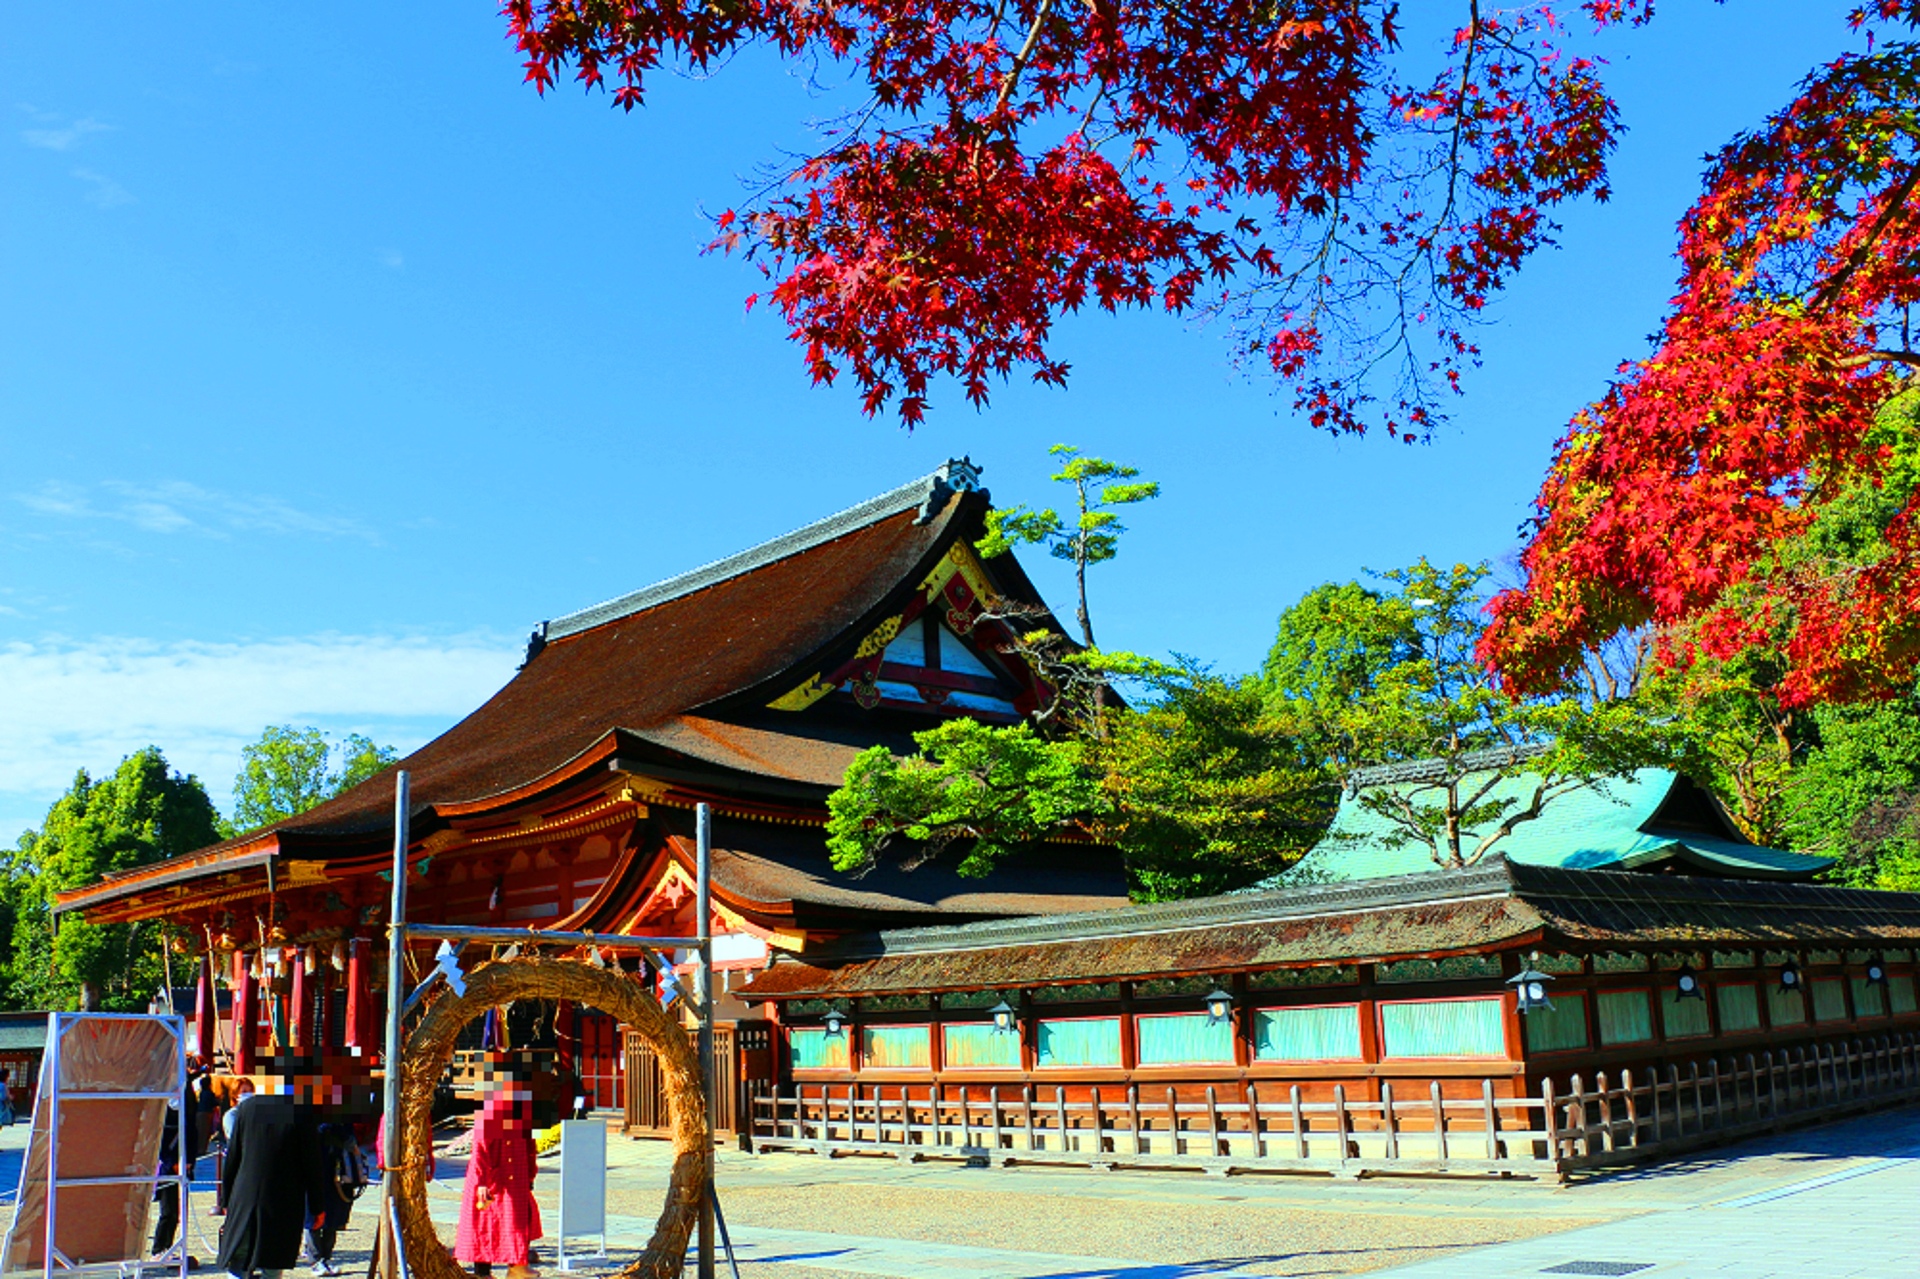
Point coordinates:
[(347, 1179)]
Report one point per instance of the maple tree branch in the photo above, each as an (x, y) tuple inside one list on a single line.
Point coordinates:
[(1020, 58), (1909, 358), (1460, 113), (1896, 205)]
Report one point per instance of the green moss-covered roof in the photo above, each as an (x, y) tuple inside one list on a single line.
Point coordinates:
[(1655, 818)]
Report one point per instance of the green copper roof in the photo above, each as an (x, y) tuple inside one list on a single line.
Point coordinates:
[(1654, 816)]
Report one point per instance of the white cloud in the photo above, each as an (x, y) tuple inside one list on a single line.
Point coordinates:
[(392, 259), (175, 506), (61, 137), (106, 193), (67, 705)]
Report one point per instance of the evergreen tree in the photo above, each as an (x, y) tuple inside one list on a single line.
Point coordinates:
[(142, 813)]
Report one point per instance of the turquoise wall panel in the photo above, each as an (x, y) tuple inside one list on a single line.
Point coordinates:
[(1626, 1017), (1443, 1028), (1330, 1033), (1900, 993), (1560, 1027), (1869, 1000), (1829, 1000), (896, 1047), (814, 1049), (1786, 1007), (979, 1044), (1183, 1038), (1683, 1018), (1739, 1007), (1092, 1041)]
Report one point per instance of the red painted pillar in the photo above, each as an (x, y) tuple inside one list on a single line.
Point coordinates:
[(298, 1011), (360, 1015), (246, 1012)]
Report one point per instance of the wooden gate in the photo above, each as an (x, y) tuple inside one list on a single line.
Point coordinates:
[(742, 1060)]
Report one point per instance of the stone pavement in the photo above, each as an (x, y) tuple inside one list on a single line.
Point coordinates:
[(1856, 1223), (1833, 1202)]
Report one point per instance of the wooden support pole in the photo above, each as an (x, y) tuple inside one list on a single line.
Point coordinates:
[(1491, 1114)]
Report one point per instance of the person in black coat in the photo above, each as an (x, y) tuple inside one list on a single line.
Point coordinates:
[(167, 1193), (275, 1177)]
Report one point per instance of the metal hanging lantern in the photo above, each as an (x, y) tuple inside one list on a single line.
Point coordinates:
[(1005, 1019), (1876, 971), (1686, 983), (836, 1023), (1530, 990), (1790, 976), (1219, 1007)]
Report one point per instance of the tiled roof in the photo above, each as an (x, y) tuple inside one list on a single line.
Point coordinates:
[(639, 663), (1651, 817), (1495, 906)]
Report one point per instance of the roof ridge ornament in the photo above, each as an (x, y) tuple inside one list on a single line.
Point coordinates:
[(955, 475)]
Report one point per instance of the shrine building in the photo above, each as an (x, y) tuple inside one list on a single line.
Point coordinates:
[(566, 801)]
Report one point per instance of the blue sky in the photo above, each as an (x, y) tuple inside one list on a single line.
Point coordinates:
[(332, 358)]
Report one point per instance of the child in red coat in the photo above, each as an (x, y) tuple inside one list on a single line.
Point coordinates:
[(499, 1219)]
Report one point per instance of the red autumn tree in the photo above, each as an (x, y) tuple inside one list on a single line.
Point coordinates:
[(1688, 497), (1284, 164)]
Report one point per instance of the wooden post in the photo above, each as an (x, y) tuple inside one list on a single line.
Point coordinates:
[(1133, 1114), (1299, 1120), (1341, 1122), (1253, 1121), (966, 1120), (1653, 1099), (1699, 1101), (1099, 1125), (1173, 1123), (1213, 1123), (1439, 1122), (1577, 1115), (1719, 1099), (1550, 1108), (1060, 1109), (1633, 1107), (1026, 1097), (993, 1099), (1491, 1117), (1386, 1119), (1606, 1115)]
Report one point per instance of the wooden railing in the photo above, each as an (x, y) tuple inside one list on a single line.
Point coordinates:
[(1403, 1131)]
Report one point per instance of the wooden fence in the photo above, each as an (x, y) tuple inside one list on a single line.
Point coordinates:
[(1570, 1125)]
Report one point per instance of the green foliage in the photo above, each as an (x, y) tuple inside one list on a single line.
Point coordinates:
[(999, 788), (290, 770), (1382, 675), (142, 813), (1209, 790), (1092, 536), (1857, 795), (1334, 647)]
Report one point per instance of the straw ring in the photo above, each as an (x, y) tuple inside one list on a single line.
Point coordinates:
[(429, 1051)]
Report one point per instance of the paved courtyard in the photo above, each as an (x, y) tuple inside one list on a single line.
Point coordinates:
[(1820, 1203)]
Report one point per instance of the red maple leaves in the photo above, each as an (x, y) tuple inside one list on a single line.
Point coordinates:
[(1018, 159), (1676, 500)]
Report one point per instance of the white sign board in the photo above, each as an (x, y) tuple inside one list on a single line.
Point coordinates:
[(583, 1184)]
